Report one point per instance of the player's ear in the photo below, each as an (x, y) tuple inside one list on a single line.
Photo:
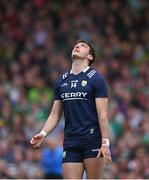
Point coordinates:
[(90, 57)]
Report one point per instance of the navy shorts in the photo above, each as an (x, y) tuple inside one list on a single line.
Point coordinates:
[(76, 150)]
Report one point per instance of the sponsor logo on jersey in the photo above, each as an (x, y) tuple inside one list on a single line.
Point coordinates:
[(84, 83), (64, 154), (73, 96)]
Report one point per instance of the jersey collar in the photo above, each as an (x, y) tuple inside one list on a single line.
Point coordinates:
[(83, 70)]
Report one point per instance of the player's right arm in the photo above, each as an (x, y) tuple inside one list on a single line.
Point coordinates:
[(50, 124)]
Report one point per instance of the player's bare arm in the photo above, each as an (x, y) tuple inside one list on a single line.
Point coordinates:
[(102, 110), (50, 124), (54, 117)]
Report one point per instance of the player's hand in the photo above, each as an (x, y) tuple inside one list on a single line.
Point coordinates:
[(37, 140), (105, 151)]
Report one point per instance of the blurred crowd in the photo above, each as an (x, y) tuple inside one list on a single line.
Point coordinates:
[(36, 39)]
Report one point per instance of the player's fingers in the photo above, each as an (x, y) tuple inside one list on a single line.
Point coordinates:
[(36, 145), (32, 141), (107, 158), (36, 138), (99, 153)]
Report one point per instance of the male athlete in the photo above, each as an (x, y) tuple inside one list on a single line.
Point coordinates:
[(82, 94)]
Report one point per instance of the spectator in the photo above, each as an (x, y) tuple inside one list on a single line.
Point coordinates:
[(52, 160)]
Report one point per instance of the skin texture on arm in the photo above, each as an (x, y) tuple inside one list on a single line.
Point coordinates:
[(50, 124), (102, 110), (54, 117)]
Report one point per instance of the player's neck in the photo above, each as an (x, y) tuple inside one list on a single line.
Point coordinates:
[(78, 66)]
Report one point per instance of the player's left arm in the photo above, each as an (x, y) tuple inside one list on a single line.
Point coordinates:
[(102, 111)]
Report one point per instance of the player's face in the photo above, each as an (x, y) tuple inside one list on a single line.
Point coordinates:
[(80, 50)]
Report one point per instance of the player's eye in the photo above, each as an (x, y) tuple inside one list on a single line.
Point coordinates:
[(83, 45)]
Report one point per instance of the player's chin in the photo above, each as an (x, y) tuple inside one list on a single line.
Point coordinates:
[(75, 55)]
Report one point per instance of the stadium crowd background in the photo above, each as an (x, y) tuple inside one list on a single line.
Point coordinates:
[(36, 38)]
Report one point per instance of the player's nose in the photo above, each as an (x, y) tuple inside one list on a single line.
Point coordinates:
[(77, 47)]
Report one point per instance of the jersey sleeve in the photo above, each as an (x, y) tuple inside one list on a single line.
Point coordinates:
[(100, 87), (57, 91)]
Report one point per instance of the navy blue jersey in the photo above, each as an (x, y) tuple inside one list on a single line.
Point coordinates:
[(78, 93)]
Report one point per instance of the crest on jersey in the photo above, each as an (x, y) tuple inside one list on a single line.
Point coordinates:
[(84, 83)]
